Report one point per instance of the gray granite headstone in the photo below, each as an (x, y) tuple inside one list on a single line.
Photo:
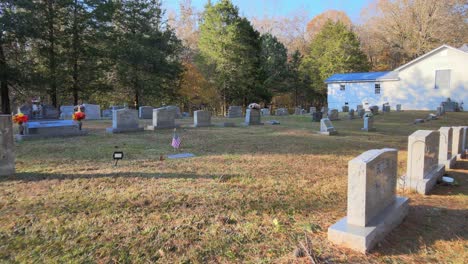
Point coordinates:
[(373, 207), (333, 114), (46, 129), (7, 153), (326, 127), (163, 117), (457, 140), (93, 112), (351, 114), (281, 112), (201, 118), (423, 168), (265, 111), (445, 147), (67, 111), (361, 112), (398, 107), (234, 111), (124, 120), (176, 109), (145, 112), (345, 109), (252, 117), (368, 123)]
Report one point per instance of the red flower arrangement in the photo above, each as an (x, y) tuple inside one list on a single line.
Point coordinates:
[(20, 118), (78, 116)]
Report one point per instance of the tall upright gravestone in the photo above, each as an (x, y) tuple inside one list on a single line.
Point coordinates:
[(423, 168), (93, 112), (373, 207), (464, 147), (201, 118), (252, 117), (163, 117), (326, 127), (124, 120), (7, 154), (457, 141), (445, 147)]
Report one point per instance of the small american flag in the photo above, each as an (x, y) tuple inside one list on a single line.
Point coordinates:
[(175, 141)]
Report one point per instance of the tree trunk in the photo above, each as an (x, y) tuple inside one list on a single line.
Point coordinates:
[(4, 92), (52, 62)]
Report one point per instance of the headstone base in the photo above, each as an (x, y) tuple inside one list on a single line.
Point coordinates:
[(425, 185), (20, 138), (364, 239), (112, 130), (161, 127), (252, 124), (368, 129), (226, 124), (202, 125), (450, 164), (328, 133)]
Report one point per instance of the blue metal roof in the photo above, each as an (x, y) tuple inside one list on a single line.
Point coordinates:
[(362, 76)]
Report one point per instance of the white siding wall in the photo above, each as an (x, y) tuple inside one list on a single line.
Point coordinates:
[(415, 90)]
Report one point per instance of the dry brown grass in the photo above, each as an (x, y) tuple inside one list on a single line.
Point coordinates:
[(248, 196)]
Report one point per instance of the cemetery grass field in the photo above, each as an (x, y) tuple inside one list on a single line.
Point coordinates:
[(252, 195)]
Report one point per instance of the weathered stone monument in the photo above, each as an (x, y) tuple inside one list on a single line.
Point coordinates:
[(176, 109), (326, 127), (124, 120), (373, 207), (201, 118), (234, 111), (145, 112), (457, 141), (368, 123), (445, 148), (93, 112), (281, 112), (351, 114), (252, 117), (398, 107), (333, 114), (423, 168), (163, 117), (345, 108), (7, 154), (361, 112), (67, 111), (47, 129)]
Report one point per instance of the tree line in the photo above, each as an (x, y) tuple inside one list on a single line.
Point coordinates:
[(131, 51)]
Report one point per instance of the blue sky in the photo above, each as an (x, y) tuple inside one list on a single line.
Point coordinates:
[(275, 8)]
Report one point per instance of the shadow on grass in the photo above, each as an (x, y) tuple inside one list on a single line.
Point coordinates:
[(32, 176)]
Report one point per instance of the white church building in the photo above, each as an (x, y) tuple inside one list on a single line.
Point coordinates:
[(421, 84)]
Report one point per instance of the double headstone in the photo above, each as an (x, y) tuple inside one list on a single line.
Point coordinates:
[(368, 123), (201, 118), (145, 112), (46, 129), (333, 114), (234, 111), (373, 207), (326, 127), (163, 117), (445, 148), (93, 112), (124, 120), (67, 111), (252, 117), (7, 154), (423, 168)]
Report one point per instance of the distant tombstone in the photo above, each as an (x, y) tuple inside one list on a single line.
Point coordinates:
[(176, 109), (50, 112), (252, 117), (67, 111), (324, 110), (107, 113), (317, 116), (201, 118), (303, 111), (398, 107), (359, 107), (374, 109), (361, 112), (312, 110), (297, 111), (46, 129), (265, 111), (373, 207), (351, 114), (145, 112), (457, 141), (423, 168), (445, 148), (368, 123), (327, 128), (439, 111), (163, 117), (333, 114), (7, 153), (386, 108), (345, 108), (124, 120), (281, 112), (93, 112), (234, 111)]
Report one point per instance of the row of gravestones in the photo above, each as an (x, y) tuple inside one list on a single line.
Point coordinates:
[(327, 128), (373, 208), (93, 112)]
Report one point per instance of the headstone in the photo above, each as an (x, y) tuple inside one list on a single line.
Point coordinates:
[(418, 121), (465, 141), (445, 148), (176, 109), (398, 107), (423, 168), (327, 128), (333, 114), (107, 113), (297, 111), (324, 110), (46, 129), (373, 207), (374, 109), (281, 112), (317, 116), (234, 111), (124, 120), (67, 111), (163, 117), (312, 110), (252, 117), (386, 108), (93, 112), (361, 112), (345, 108), (265, 111), (439, 111), (368, 123), (117, 107), (303, 112), (36, 111), (201, 118), (7, 153), (351, 114), (359, 107), (145, 112), (457, 141)]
